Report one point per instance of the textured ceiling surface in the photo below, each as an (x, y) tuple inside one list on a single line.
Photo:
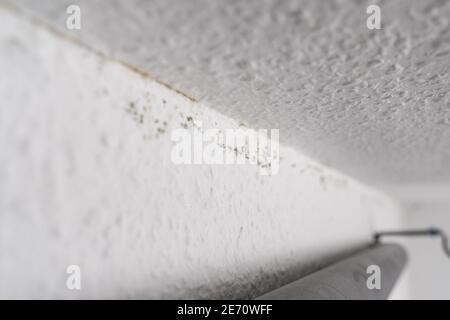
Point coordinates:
[(372, 103)]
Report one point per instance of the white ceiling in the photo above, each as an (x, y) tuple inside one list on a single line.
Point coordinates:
[(373, 103)]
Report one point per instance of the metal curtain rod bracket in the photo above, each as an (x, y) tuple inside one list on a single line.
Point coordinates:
[(431, 232)]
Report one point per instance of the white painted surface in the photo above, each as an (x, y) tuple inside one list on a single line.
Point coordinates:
[(86, 179), (372, 103), (427, 275)]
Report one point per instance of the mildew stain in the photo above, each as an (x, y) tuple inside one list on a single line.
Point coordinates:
[(139, 117)]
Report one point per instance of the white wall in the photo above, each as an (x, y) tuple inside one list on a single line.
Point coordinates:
[(429, 268)]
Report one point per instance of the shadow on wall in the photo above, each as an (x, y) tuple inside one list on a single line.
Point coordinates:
[(255, 282)]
